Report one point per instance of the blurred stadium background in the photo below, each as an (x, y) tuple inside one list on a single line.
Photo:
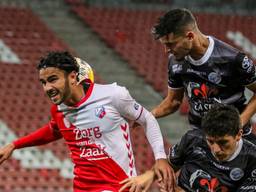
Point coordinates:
[(114, 37)]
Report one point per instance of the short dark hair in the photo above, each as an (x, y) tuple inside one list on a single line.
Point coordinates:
[(221, 120), (173, 21), (59, 59)]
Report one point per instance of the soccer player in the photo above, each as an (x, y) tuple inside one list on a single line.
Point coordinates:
[(92, 120), (213, 159), (206, 69)]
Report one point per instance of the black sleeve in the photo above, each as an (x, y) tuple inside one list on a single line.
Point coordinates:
[(174, 79), (245, 69), (177, 153), (249, 182)]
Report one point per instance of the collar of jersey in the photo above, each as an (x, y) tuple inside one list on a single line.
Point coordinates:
[(237, 151), (206, 55), (87, 95), (63, 107)]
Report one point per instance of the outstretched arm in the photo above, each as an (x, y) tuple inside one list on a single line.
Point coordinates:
[(43, 135)]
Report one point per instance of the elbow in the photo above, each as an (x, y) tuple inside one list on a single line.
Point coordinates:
[(174, 106)]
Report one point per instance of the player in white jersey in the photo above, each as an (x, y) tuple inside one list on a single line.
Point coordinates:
[(92, 120)]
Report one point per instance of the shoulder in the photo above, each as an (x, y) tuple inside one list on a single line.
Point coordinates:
[(113, 86), (224, 49), (249, 149), (174, 66), (193, 137), (54, 109), (112, 90)]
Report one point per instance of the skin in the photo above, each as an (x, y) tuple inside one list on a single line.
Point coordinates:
[(221, 147), (60, 87), (192, 42)]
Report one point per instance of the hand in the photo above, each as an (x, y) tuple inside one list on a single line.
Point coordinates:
[(133, 124), (165, 174), (140, 183), (163, 189), (5, 152)]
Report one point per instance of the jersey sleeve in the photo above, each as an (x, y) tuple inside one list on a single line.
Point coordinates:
[(46, 134), (125, 104), (132, 110), (245, 69), (249, 182), (174, 79), (178, 153)]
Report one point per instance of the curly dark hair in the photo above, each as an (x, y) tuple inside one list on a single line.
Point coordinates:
[(221, 120), (59, 59), (173, 21)]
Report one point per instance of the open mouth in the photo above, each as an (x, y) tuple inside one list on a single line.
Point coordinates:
[(52, 94)]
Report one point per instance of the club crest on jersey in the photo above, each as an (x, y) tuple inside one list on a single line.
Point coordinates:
[(214, 77), (254, 173), (247, 64), (136, 106), (236, 174), (66, 122), (100, 112), (176, 68)]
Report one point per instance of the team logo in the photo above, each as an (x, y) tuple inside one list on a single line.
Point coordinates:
[(254, 173), (136, 106), (214, 77), (236, 174), (66, 122), (100, 112), (176, 68), (199, 151), (201, 91), (202, 181), (246, 63)]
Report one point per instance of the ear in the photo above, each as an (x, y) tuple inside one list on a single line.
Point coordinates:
[(239, 135), (73, 77)]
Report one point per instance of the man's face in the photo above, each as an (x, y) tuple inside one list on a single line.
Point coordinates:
[(178, 45), (223, 147), (56, 84)]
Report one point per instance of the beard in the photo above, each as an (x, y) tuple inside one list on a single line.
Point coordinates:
[(58, 96)]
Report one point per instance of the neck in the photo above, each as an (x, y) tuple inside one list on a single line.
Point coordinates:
[(200, 46), (77, 93)]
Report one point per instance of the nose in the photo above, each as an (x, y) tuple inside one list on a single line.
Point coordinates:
[(47, 87), (215, 148)]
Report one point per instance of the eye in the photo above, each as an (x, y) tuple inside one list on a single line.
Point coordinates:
[(52, 79), (222, 143), (42, 82), (210, 142)]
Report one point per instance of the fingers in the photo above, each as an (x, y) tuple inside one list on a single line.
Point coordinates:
[(126, 184), (124, 181), (158, 175), (2, 159)]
